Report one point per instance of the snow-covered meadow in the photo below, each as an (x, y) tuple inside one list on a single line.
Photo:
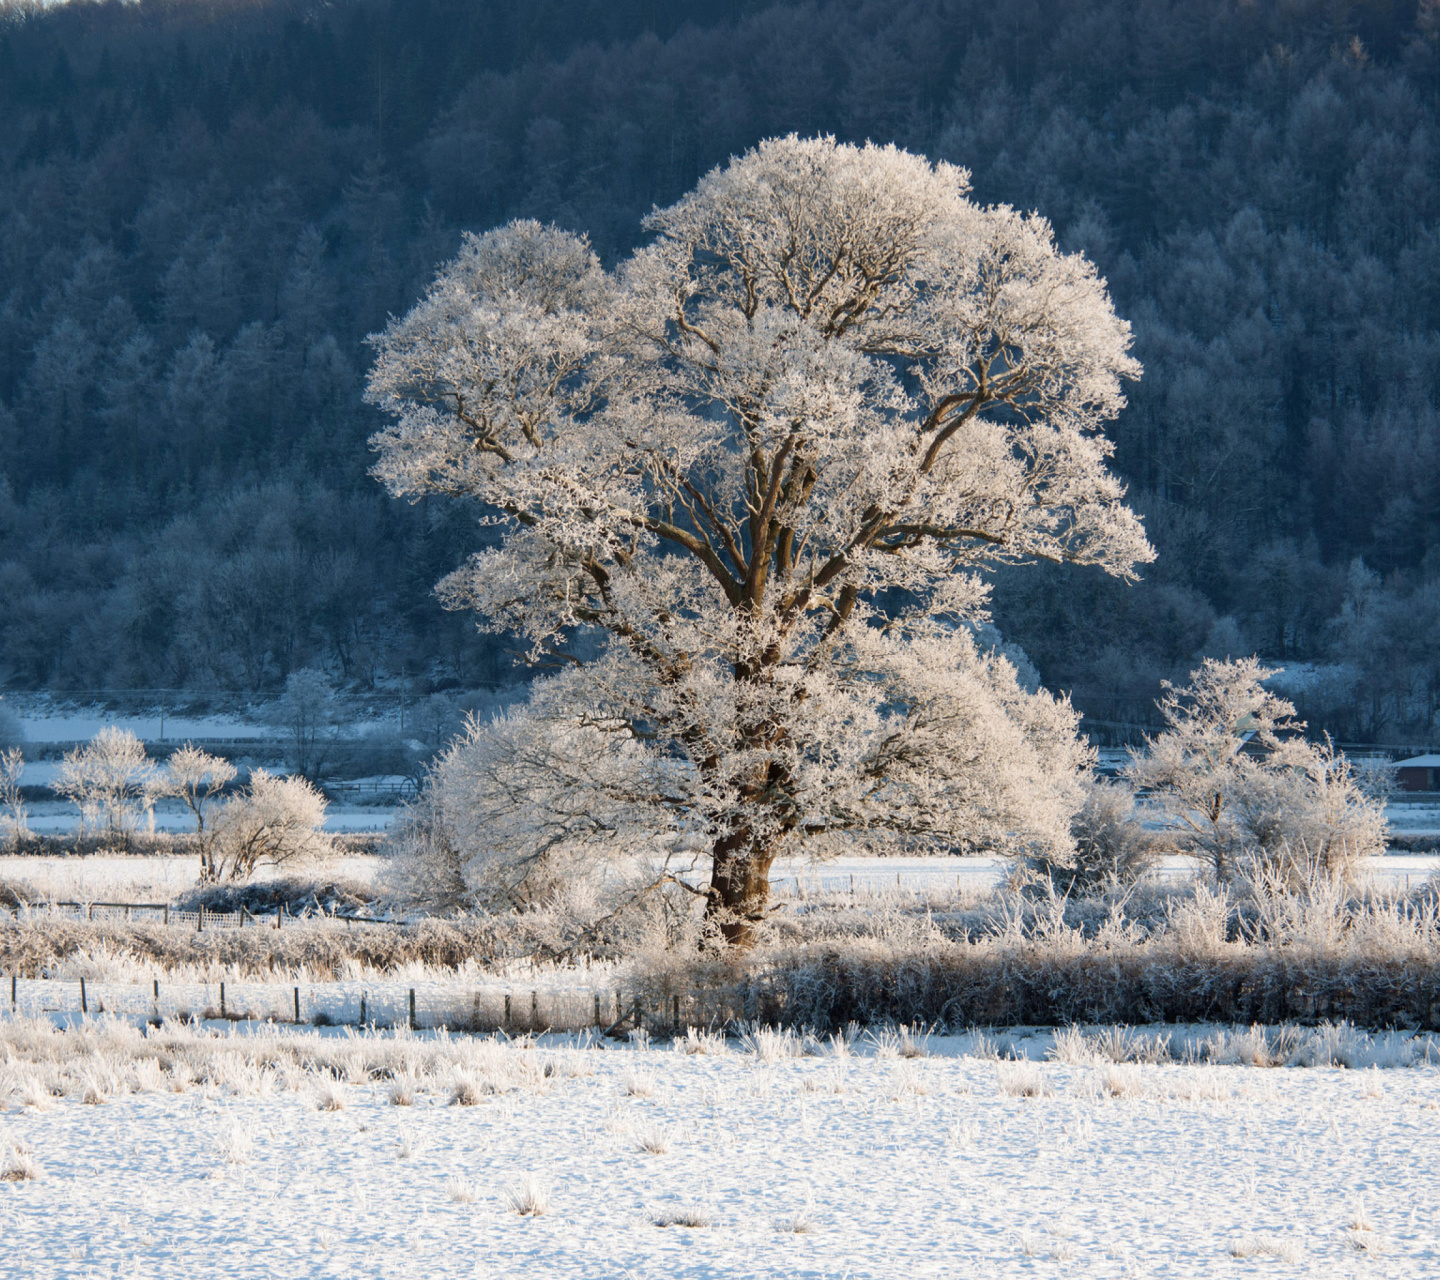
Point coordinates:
[(190, 1153)]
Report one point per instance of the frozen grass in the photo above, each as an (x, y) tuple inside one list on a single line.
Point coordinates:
[(1020, 1152)]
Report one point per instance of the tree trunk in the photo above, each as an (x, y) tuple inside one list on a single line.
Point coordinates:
[(739, 886)]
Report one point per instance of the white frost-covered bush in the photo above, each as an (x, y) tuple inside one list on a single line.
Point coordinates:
[(1243, 790), (109, 779), (272, 821), (1112, 847)]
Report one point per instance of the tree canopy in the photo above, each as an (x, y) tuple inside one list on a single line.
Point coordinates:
[(765, 459)]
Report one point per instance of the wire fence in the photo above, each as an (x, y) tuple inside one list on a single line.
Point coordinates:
[(512, 1008), (199, 919)]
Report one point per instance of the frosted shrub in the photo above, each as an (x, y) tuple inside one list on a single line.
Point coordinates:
[(197, 779), (13, 823), (273, 821), (109, 780), (1239, 794), (1112, 847)]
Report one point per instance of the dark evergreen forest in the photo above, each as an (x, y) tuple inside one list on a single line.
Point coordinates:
[(206, 206)]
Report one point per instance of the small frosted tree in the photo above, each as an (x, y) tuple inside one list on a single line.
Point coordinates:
[(13, 825), (1242, 787), (109, 779), (306, 713), (197, 779), (765, 462), (274, 820)]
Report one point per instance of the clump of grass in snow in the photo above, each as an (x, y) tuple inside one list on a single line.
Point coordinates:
[(528, 1196), (637, 1083), (402, 1089), (467, 1091), (652, 1139), (701, 1042), (237, 1144), (1258, 1246), (33, 1093), (964, 1134), (1022, 1080), (95, 1089), (771, 1044), (801, 1222), (690, 1215), (330, 1095), (462, 1190), (17, 1163), (1074, 1047), (1361, 1221)]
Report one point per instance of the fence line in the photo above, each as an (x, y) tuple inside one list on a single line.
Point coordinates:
[(198, 920), (498, 1007)]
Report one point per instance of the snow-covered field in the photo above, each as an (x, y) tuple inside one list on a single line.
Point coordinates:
[(658, 1164), (59, 818), (160, 877), (152, 878)]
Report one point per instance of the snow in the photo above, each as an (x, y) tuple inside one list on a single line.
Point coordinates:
[(862, 1166), (151, 877), (160, 877), (60, 818)]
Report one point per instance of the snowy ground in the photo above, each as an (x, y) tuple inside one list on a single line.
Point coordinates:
[(151, 878), (869, 1165), (60, 818), (160, 877)]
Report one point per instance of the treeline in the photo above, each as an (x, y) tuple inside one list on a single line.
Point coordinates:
[(205, 208)]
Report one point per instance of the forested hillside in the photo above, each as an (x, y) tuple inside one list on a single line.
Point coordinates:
[(206, 207)]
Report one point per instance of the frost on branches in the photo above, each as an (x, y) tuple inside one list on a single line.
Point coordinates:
[(768, 458), (1283, 809)]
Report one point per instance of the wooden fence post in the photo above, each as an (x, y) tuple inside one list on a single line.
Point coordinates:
[(412, 1008), (597, 1008), (534, 1009), (297, 1004), (165, 914), (507, 1011), (13, 1002), (222, 999), (362, 1008), (84, 1007)]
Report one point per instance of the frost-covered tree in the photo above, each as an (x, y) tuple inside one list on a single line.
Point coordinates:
[(109, 779), (306, 713), (13, 825), (274, 820), (196, 778), (1241, 786), (767, 460)]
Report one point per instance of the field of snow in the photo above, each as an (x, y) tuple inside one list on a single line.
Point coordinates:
[(572, 1159), (160, 877), (151, 878)]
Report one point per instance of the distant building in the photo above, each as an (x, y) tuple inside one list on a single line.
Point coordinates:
[(1419, 773)]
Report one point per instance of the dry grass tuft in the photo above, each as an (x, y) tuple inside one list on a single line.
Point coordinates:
[(462, 1191), (1022, 1080), (528, 1196), (652, 1139), (1262, 1246), (690, 1215)]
